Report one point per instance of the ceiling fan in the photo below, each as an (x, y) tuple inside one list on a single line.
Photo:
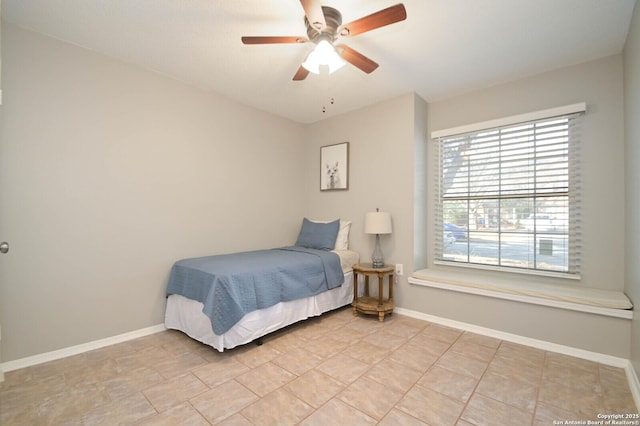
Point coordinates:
[(324, 26)]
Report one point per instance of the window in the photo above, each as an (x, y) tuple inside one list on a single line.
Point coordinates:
[(508, 194)]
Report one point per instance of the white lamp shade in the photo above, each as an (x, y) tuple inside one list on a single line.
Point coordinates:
[(377, 223), (323, 54)]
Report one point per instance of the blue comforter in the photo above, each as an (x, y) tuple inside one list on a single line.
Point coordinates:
[(232, 285)]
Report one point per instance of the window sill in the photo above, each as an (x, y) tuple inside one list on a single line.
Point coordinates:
[(601, 302)]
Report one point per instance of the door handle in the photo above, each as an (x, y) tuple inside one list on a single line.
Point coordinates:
[(4, 247)]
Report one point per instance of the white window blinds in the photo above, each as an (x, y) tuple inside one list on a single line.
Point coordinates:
[(508, 196)]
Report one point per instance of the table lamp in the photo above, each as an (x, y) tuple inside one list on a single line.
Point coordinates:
[(377, 223)]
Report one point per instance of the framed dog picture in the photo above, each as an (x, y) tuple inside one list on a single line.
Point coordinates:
[(334, 167)]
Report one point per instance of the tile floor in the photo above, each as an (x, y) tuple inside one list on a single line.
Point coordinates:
[(331, 370)]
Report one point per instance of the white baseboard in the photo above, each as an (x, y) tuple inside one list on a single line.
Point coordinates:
[(75, 350), (540, 344), (632, 377), (634, 384), (515, 338)]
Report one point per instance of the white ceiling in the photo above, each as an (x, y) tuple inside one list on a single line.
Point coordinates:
[(444, 48)]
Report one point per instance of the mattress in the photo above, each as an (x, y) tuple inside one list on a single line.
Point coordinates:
[(186, 315)]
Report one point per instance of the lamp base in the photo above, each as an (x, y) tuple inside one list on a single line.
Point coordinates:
[(377, 264), (377, 260)]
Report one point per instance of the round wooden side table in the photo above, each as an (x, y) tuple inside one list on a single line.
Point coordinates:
[(373, 305)]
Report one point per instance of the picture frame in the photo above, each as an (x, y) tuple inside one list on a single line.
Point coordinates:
[(334, 167)]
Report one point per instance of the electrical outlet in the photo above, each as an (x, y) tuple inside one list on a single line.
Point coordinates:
[(399, 269)]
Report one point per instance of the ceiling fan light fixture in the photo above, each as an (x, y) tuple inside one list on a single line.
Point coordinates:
[(323, 54)]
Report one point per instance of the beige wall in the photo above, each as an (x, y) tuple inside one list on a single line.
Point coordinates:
[(382, 142), (108, 174), (632, 178), (600, 85), (391, 168)]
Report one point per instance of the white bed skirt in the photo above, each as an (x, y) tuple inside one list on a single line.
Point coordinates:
[(186, 315)]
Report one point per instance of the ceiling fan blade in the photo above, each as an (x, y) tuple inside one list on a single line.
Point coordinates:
[(301, 74), (378, 19), (313, 11), (357, 59), (272, 40)]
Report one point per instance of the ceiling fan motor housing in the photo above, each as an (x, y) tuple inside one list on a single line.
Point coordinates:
[(333, 19)]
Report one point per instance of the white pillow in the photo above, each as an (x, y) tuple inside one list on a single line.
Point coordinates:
[(342, 241)]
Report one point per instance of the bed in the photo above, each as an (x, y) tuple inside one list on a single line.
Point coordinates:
[(229, 300)]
